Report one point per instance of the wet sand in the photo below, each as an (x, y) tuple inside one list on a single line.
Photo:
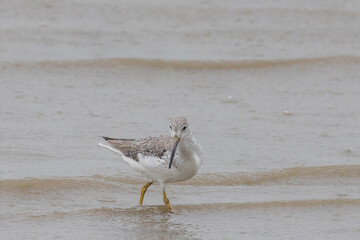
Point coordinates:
[(270, 90)]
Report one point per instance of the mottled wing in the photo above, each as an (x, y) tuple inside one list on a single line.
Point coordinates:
[(150, 146)]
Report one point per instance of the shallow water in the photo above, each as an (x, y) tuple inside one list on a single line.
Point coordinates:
[(271, 92)]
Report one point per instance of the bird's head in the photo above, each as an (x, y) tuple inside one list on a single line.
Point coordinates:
[(179, 129)]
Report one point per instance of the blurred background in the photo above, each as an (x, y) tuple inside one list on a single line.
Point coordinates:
[(270, 88)]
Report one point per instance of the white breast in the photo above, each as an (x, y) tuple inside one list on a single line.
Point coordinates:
[(190, 169), (197, 160)]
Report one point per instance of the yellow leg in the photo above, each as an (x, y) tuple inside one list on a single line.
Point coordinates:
[(143, 191), (167, 202)]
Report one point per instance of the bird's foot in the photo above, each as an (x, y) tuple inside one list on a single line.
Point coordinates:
[(167, 203), (143, 191)]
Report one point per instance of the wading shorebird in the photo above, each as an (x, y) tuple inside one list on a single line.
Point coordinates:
[(161, 159)]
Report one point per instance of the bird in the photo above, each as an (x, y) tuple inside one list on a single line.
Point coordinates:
[(163, 159)]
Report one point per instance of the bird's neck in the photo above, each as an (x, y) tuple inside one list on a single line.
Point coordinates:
[(187, 144)]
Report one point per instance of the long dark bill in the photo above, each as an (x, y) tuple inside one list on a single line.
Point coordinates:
[(173, 151)]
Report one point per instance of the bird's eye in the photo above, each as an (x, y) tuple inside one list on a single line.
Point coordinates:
[(170, 127), (184, 128)]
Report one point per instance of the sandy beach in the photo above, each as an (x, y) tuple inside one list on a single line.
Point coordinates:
[(271, 91)]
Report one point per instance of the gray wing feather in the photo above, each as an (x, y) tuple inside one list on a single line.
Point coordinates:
[(150, 146)]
